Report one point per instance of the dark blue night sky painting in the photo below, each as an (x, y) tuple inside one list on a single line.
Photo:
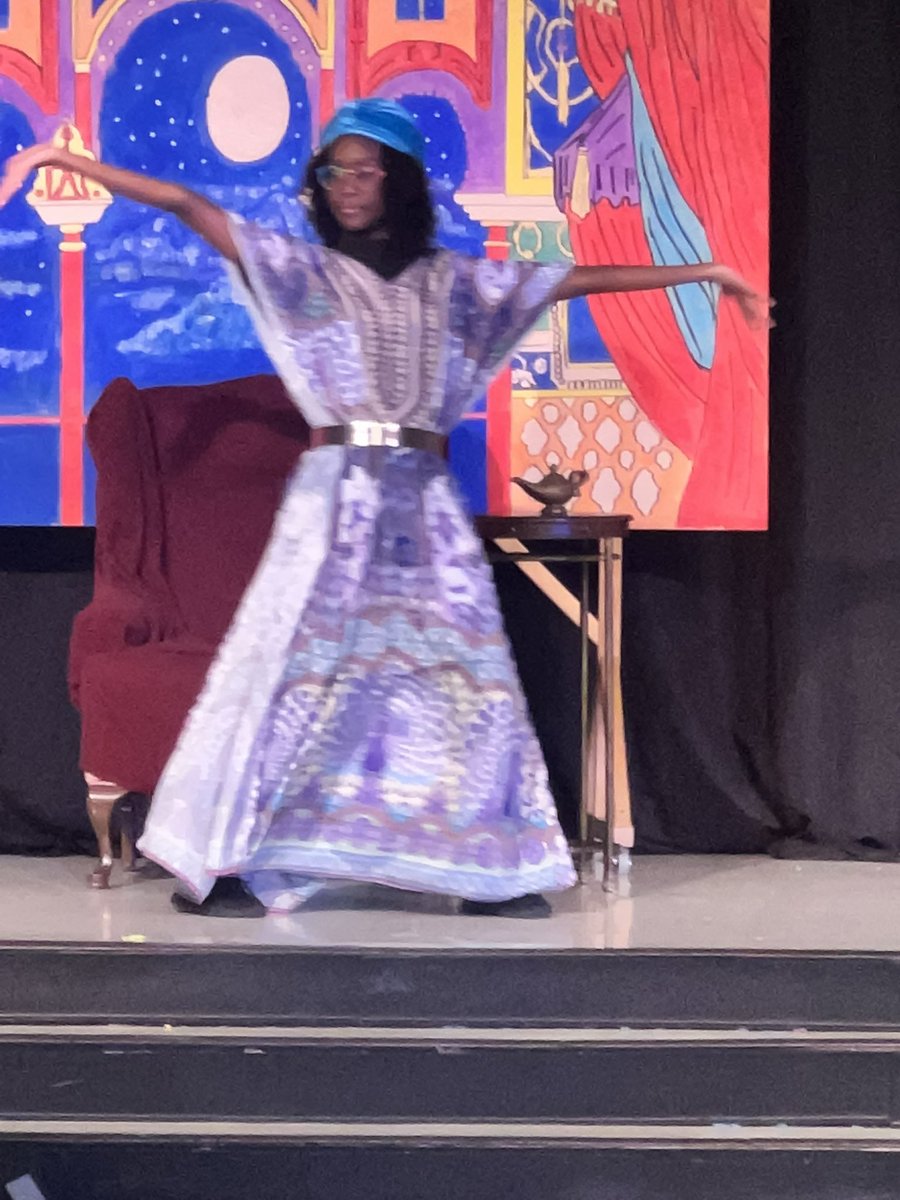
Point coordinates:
[(446, 162), (161, 290), (159, 308), (29, 288)]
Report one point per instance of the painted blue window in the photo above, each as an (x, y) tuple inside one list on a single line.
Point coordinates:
[(585, 342), (4, 14), (29, 475), (420, 10), (29, 295), (90, 489), (564, 98), (468, 462)]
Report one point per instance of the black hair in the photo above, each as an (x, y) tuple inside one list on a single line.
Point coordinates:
[(408, 212)]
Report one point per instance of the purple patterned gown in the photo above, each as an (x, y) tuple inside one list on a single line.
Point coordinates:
[(363, 718)]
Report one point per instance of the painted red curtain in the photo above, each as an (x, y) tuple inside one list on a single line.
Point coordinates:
[(702, 66)]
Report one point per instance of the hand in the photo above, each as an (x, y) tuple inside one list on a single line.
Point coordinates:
[(756, 308), (20, 166)]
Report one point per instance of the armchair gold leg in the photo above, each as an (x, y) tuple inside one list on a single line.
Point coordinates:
[(102, 798)]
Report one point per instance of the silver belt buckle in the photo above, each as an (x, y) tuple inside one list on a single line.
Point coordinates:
[(376, 433)]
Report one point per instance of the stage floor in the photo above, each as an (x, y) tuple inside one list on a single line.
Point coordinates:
[(690, 903)]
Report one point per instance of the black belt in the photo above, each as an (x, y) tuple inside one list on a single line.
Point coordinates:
[(379, 433)]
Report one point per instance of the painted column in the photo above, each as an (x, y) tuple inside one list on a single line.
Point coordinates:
[(65, 200), (499, 399), (71, 376)]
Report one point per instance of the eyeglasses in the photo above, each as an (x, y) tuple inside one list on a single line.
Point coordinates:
[(331, 174)]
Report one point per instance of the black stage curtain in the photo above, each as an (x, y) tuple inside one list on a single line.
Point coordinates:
[(45, 578), (760, 670)]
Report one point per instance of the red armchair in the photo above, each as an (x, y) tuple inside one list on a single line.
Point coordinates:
[(188, 483)]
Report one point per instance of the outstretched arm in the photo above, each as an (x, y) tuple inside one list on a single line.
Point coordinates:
[(198, 213), (590, 281)]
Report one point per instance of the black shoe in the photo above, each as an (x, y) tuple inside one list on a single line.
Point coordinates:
[(228, 898), (529, 907)]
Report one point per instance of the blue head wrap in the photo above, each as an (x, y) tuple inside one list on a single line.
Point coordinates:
[(384, 121)]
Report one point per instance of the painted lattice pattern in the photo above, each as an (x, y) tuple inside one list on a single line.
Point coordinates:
[(632, 468)]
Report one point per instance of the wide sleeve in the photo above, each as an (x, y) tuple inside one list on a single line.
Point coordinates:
[(494, 304), (283, 283)]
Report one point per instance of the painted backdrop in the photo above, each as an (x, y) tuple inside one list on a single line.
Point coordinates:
[(593, 130)]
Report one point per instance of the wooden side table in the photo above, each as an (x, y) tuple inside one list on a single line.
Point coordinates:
[(541, 539)]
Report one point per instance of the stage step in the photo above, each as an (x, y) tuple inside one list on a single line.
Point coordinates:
[(429, 1075), (163, 1072), (147, 1165), (280, 985)]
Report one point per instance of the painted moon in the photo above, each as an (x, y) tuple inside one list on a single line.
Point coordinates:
[(248, 109)]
